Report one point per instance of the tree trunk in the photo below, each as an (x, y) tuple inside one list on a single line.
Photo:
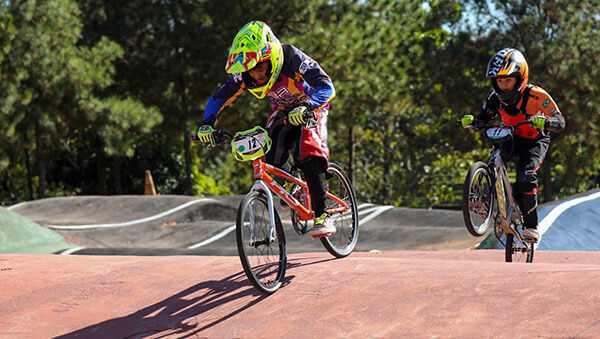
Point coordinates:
[(101, 170), (7, 186), (387, 168), (117, 176), (188, 163), (351, 149), (39, 147), (28, 168)]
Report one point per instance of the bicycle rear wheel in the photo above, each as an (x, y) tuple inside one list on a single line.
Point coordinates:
[(342, 242), (517, 251), (261, 249), (478, 199)]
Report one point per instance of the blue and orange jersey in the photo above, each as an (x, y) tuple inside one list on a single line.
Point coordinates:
[(301, 81)]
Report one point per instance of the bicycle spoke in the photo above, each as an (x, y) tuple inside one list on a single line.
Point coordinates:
[(342, 242), (261, 250), (477, 199)]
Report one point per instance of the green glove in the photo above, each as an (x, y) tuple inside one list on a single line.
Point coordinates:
[(467, 120), (205, 134), (539, 121), (296, 116)]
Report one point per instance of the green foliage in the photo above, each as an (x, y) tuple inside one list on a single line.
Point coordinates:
[(206, 185), (118, 120), (93, 93), (55, 85)]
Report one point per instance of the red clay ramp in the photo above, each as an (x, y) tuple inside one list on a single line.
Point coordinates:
[(388, 294)]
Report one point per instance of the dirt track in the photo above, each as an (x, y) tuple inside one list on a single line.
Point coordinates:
[(392, 293), (467, 294)]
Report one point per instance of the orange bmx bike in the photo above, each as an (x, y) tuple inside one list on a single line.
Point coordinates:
[(259, 233)]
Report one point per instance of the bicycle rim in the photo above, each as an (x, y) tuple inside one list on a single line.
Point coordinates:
[(517, 251), (261, 251), (342, 243), (478, 199)]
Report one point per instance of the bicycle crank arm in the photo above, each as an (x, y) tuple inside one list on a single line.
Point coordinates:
[(516, 233)]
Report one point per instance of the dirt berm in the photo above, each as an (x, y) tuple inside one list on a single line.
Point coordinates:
[(166, 224)]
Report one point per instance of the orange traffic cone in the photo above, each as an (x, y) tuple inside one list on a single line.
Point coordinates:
[(150, 190)]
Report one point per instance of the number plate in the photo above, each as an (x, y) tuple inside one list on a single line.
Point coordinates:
[(497, 133), (250, 144)]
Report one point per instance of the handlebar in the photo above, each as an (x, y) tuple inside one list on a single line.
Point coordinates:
[(307, 116), (222, 136), (498, 134), (485, 126)]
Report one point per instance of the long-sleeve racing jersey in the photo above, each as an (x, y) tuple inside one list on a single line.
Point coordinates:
[(301, 82), (535, 101)]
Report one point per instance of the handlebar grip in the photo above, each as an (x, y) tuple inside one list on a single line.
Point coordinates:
[(220, 137), (309, 115)]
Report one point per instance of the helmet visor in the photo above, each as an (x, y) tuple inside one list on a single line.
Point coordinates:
[(241, 61)]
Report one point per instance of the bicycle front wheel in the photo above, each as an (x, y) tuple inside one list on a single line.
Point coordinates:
[(478, 199), (260, 247), (342, 242), (517, 251)]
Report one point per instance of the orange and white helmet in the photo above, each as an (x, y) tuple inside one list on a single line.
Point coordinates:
[(508, 62)]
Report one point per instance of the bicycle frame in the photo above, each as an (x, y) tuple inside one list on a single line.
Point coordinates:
[(503, 189), (264, 180)]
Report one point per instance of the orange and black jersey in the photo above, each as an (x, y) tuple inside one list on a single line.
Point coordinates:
[(534, 101)]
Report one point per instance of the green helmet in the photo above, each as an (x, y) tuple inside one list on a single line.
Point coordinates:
[(255, 43)]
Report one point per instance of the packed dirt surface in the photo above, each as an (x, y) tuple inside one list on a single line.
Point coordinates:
[(409, 294), (150, 281)]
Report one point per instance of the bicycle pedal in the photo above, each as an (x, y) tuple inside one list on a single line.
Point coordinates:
[(321, 235)]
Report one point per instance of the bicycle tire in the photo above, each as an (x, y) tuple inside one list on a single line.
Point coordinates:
[(516, 251), (262, 256), (478, 199), (342, 242)]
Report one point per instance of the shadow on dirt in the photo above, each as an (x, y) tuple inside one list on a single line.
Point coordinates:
[(178, 314), (175, 315)]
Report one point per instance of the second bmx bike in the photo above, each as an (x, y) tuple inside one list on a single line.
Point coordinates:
[(487, 185)]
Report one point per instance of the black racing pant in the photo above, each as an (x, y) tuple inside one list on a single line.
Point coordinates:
[(285, 139), (530, 154)]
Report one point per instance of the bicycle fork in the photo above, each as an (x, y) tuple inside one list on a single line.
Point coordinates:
[(260, 185)]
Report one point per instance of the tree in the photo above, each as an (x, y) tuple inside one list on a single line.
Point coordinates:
[(174, 59), (376, 53), (58, 84)]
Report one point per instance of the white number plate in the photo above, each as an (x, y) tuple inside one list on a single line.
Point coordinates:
[(250, 143), (498, 132)]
